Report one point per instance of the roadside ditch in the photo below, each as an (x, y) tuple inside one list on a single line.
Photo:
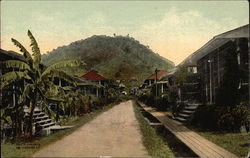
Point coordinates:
[(178, 148)]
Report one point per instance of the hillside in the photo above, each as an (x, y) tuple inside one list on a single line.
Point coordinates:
[(116, 57)]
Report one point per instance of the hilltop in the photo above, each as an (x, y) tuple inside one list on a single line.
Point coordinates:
[(118, 57)]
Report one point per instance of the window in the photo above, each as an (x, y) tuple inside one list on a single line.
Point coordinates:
[(195, 70), (192, 69)]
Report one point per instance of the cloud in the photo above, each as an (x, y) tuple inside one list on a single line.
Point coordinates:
[(174, 35), (179, 34)]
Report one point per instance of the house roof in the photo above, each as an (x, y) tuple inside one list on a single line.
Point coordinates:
[(216, 42), (170, 73), (93, 76), (10, 55), (83, 82), (160, 75)]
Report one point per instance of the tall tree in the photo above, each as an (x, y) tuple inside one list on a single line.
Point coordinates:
[(37, 76)]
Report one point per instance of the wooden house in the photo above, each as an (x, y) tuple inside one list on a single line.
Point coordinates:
[(189, 91), (93, 76), (158, 75), (158, 86), (11, 93), (211, 62), (87, 87)]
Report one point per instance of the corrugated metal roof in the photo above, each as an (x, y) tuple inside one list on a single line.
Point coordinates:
[(93, 76), (216, 42), (170, 73), (83, 82), (11, 55), (240, 32), (160, 74)]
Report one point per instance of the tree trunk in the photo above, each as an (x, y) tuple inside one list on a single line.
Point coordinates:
[(74, 108), (57, 113), (14, 130), (31, 120), (18, 127), (33, 105), (70, 110), (19, 121)]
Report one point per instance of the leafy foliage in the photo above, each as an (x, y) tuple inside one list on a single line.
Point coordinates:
[(38, 77), (11, 77), (63, 64), (232, 118), (26, 54), (225, 118), (181, 75), (15, 64), (35, 49)]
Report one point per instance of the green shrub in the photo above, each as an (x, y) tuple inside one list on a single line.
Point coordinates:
[(205, 117), (161, 103), (222, 118), (234, 117), (226, 121)]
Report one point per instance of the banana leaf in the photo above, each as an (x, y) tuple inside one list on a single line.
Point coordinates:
[(35, 49), (16, 64), (59, 74), (11, 77), (26, 93), (63, 64), (26, 54)]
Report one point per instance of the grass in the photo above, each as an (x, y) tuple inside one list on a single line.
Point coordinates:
[(29, 148), (153, 143), (237, 143)]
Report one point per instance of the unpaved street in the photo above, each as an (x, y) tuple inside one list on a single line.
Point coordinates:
[(114, 133)]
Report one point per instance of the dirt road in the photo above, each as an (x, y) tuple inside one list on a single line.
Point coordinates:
[(114, 133)]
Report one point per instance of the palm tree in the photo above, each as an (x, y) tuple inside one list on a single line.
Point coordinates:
[(36, 75)]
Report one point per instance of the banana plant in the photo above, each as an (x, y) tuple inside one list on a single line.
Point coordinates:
[(73, 102), (37, 76)]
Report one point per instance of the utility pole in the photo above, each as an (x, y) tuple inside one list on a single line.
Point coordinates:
[(156, 82)]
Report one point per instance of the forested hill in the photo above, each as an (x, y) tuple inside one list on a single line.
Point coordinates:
[(116, 57)]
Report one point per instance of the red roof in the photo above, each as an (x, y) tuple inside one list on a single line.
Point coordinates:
[(160, 74), (93, 75)]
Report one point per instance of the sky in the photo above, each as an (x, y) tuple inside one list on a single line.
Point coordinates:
[(173, 29)]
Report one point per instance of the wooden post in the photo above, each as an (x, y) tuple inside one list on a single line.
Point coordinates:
[(60, 82), (156, 82), (179, 93), (97, 92), (161, 88), (14, 95)]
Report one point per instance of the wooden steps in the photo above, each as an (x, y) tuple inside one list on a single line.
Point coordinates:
[(186, 114), (44, 124), (42, 120), (198, 144)]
